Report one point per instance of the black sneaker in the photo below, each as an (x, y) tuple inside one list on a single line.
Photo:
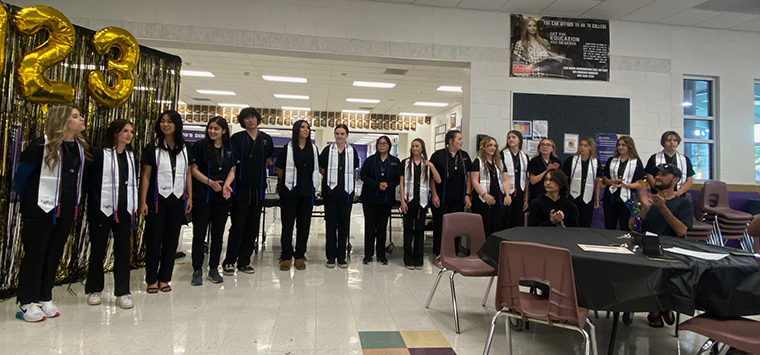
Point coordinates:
[(366, 260), (214, 277), (246, 269), (228, 269), (342, 264), (383, 261), (330, 264), (197, 278)]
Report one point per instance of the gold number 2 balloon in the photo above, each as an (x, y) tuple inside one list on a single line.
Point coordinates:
[(3, 31), (30, 77), (121, 68)]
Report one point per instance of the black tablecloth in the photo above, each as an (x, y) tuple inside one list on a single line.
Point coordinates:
[(633, 283)]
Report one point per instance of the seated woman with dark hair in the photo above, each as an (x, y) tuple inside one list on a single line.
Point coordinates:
[(554, 208)]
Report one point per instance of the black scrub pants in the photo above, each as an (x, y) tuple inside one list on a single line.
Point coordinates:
[(514, 216), (493, 216), (162, 230), (337, 224), (295, 211), (614, 213), (376, 217), (245, 215), (586, 212), (414, 236), (100, 226), (212, 215)]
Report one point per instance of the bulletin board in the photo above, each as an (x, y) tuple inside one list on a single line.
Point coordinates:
[(584, 115)]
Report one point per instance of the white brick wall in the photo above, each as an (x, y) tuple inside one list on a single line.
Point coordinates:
[(648, 60)]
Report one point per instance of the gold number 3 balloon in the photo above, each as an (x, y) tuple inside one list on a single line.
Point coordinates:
[(121, 68), (30, 77)]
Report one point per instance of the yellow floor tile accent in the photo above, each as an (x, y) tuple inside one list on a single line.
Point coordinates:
[(385, 352), (424, 339)]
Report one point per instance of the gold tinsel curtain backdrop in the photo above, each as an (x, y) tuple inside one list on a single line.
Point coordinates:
[(156, 88)]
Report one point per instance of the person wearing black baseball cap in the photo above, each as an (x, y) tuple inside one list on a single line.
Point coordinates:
[(665, 213)]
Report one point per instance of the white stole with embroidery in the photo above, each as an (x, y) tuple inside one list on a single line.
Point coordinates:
[(630, 169), (166, 185), (576, 178), (48, 194), (332, 168), (506, 156), (109, 195), (290, 169)]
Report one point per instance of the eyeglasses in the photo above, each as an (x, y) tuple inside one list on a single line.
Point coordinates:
[(382, 143), (546, 145)]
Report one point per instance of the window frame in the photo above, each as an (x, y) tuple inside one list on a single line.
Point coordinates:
[(755, 123), (714, 171)]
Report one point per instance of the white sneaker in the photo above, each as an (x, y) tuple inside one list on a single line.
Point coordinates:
[(50, 309), (94, 299), (125, 302), (32, 312)]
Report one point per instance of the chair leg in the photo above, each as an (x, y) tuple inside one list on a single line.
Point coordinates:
[(706, 347), (586, 340), (592, 328), (678, 322), (435, 286), (454, 300), (509, 337), (488, 290), (487, 349)]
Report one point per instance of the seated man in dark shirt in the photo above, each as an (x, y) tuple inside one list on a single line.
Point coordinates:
[(665, 214), (553, 208)]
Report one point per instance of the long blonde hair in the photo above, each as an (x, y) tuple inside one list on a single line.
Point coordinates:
[(592, 145), (525, 37), (55, 125), (631, 147), (554, 148), (482, 151)]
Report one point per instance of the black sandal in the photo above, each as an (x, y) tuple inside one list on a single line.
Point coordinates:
[(655, 320), (166, 288), (668, 317), (152, 289)]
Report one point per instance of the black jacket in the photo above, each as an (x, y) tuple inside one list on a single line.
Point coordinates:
[(373, 173)]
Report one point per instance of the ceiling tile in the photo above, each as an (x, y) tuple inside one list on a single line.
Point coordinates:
[(689, 17), (570, 8), (728, 20), (490, 5)]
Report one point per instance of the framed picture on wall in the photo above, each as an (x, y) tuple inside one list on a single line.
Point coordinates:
[(453, 120)]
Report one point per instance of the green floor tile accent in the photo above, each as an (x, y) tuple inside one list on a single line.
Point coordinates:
[(381, 340)]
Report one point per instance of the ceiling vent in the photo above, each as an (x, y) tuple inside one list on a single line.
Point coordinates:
[(200, 99), (367, 108), (392, 71), (740, 6)]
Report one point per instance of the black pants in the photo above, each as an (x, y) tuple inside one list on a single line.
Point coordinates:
[(245, 214), (295, 210), (43, 245), (414, 236), (493, 216), (100, 226), (376, 217), (514, 215), (211, 215), (161, 238), (446, 207), (337, 224), (586, 212), (615, 212)]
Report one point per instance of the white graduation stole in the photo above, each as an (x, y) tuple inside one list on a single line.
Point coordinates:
[(630, 168), (681, 159), (409, 182), (49, 192), (332, 168), (576, 178), (165, 185), (290, 169), (109, 195), (485, 178), (506, 156)]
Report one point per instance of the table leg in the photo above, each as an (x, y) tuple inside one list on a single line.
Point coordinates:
[(611, 348)]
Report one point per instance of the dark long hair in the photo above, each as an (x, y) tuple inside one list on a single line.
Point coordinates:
[(179, 141), (451, 135), (387, 140), (518, 135), (631, 147), (424, 151), (113, 131), (295, 138), (221, 122), (558, 177)]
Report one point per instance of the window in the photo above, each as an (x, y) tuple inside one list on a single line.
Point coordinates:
[(699, 125), (757, 131)]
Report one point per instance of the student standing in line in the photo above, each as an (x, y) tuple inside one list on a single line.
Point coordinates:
[(165, 179), (516, 166), (49, 178), (454, 193), (583, 171), (491, 183), (669, 155), (545, 159), (414, 185), (622, 175), (298, 175), (553, 208), (213, 175), (380, 176), (251, 152), (112, 207), (337, 164)]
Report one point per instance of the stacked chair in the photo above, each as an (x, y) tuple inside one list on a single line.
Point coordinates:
[(729, 224), (700, 231)]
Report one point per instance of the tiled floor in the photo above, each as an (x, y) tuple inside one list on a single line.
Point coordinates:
[(316, 311)]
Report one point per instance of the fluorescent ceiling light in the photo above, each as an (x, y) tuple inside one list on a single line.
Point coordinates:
[(296, 108), (450, 88), (369, 84), (294, 97), (205, 74), (233, 105), (354, 111), (285, 79), (216, 92), (366, 101), (434, 104), (411, 114)]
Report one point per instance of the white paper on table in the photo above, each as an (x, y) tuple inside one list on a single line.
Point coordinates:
[(696, 254), (604, 249)]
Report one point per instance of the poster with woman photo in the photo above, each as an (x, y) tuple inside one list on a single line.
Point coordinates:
[(559, 47)]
